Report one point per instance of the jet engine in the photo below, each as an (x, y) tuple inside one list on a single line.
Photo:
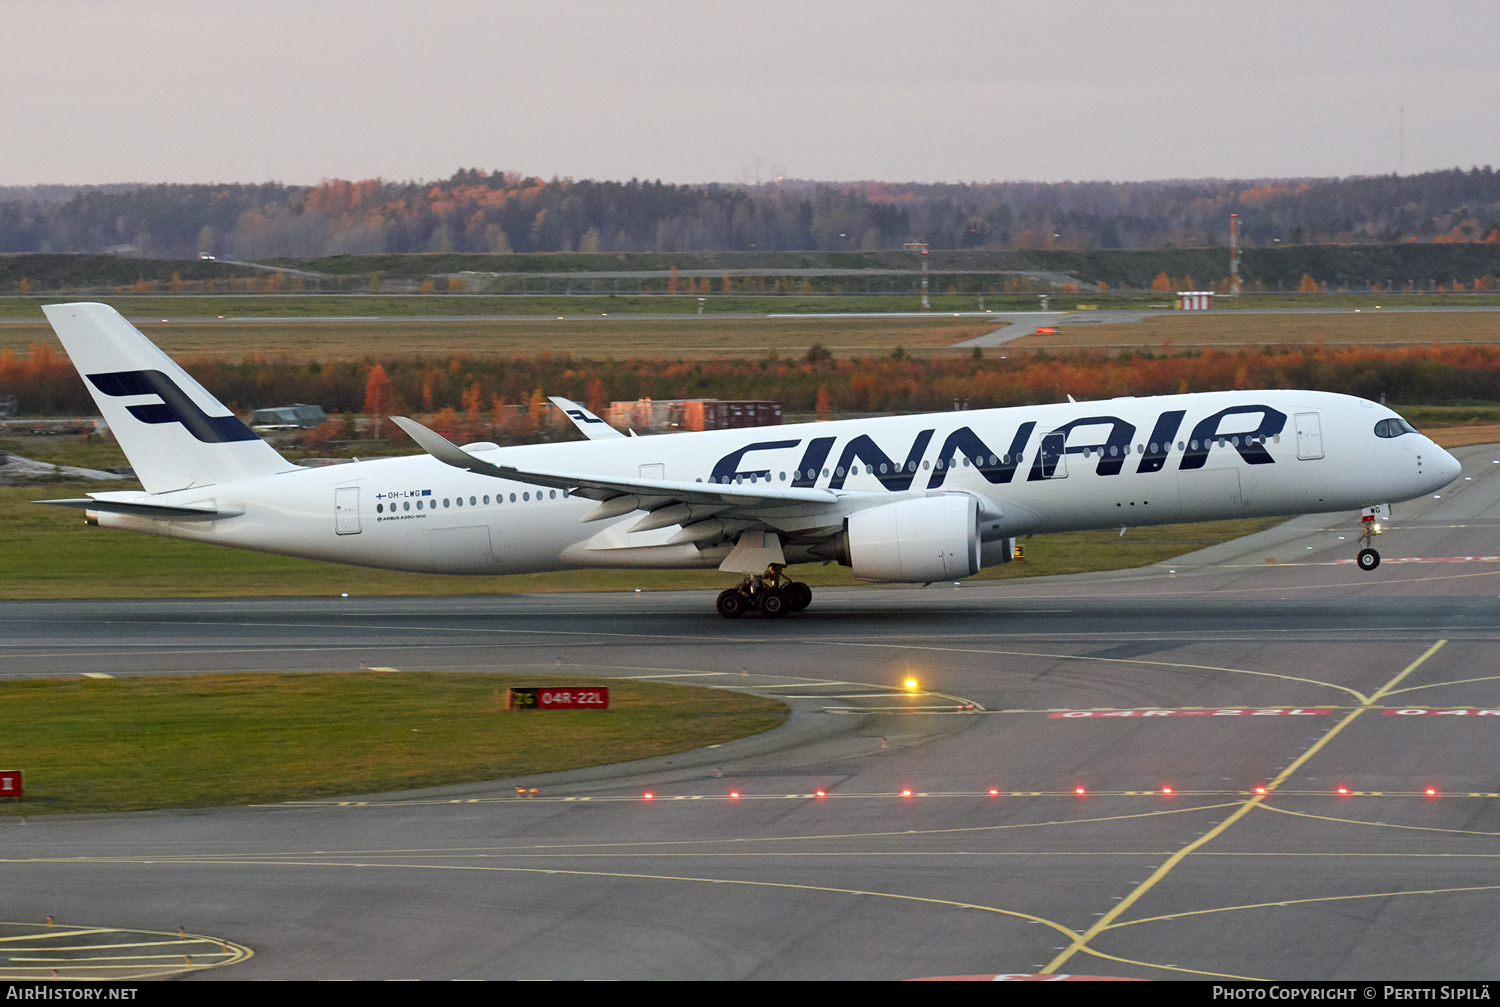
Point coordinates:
[(921, 540)]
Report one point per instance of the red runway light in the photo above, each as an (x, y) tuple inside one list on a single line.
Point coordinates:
[(1167, 791), (1343, 790), (821, 793), (906, 793), (1431, 791), (1078, 791), (994, 792), (1260, 790), (734, 794), (648, 795)]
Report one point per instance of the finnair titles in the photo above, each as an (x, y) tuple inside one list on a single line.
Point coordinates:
[(905, 498)]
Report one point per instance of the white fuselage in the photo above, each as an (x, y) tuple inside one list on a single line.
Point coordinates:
[(1067, 466)]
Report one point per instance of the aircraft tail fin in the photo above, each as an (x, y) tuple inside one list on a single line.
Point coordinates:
[(173, 431)]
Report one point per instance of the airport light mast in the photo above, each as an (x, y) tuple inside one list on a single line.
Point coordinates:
[(1234, 255), (920, 246)]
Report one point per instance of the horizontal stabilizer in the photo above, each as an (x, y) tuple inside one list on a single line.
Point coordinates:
[(160, 512)]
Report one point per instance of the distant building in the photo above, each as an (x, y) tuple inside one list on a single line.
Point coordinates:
[(693, 414), (300, 415)]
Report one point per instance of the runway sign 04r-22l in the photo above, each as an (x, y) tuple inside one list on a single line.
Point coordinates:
[(558, 699)]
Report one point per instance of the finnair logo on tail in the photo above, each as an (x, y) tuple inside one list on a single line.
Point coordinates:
[(583, 416), (174, 407)]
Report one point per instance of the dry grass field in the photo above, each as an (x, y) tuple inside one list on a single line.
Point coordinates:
[(1180, 331), (1462, 436), (619, 338)]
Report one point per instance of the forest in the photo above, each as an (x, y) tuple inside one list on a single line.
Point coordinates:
[(477, 211), (469, 398)]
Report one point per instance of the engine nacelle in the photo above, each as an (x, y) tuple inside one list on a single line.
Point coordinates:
[(922, 540)]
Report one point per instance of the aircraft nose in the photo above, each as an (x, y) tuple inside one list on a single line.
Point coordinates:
[(1451, 465), (1447, 467)]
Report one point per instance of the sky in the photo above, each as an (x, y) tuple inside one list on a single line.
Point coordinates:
[(101, 91)]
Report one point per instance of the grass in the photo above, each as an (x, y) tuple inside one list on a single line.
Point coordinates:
[(268, 306), (208, 740), (1180, 331), (691, 337)]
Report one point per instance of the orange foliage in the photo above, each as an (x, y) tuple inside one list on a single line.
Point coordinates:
[(377, 397)]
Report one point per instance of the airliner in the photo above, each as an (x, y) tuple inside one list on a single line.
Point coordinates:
[(912, 499)]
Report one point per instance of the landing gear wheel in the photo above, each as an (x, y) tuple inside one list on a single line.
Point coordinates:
[(774, 603), (731, 604), (1369, 559), (798, 596)]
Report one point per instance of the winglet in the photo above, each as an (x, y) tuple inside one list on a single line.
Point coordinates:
[(443, 449), (587, 423)]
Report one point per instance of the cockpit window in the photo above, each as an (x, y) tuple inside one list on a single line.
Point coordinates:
[(1393, 427)]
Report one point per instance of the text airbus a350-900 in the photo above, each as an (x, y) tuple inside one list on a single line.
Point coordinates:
[(905, 498)]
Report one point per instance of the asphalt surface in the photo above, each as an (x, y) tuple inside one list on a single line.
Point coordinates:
[(1272, 662)]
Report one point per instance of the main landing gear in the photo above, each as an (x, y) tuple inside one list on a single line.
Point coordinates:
[(1369, 520), (772, 594)]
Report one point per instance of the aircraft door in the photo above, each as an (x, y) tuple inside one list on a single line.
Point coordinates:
[(346, 510), (1054, 458), (1309, 436)]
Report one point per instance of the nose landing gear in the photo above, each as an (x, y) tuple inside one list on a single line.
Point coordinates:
[(772, 593), (1370, 519)]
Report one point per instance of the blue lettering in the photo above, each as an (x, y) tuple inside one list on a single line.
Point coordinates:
[(1111, 452), (812, 461), (1207, 431), (728, 468), (892, 475), (965, 441), (1161, 440)]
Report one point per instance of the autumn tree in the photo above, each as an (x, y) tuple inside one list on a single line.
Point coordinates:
[(595, 397), (1162, 281), (377, 398)]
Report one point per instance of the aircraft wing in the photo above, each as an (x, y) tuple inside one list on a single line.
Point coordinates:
[(621, 495), (587, 423)]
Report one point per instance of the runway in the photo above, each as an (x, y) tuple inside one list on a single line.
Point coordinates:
[(1215, 767)]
